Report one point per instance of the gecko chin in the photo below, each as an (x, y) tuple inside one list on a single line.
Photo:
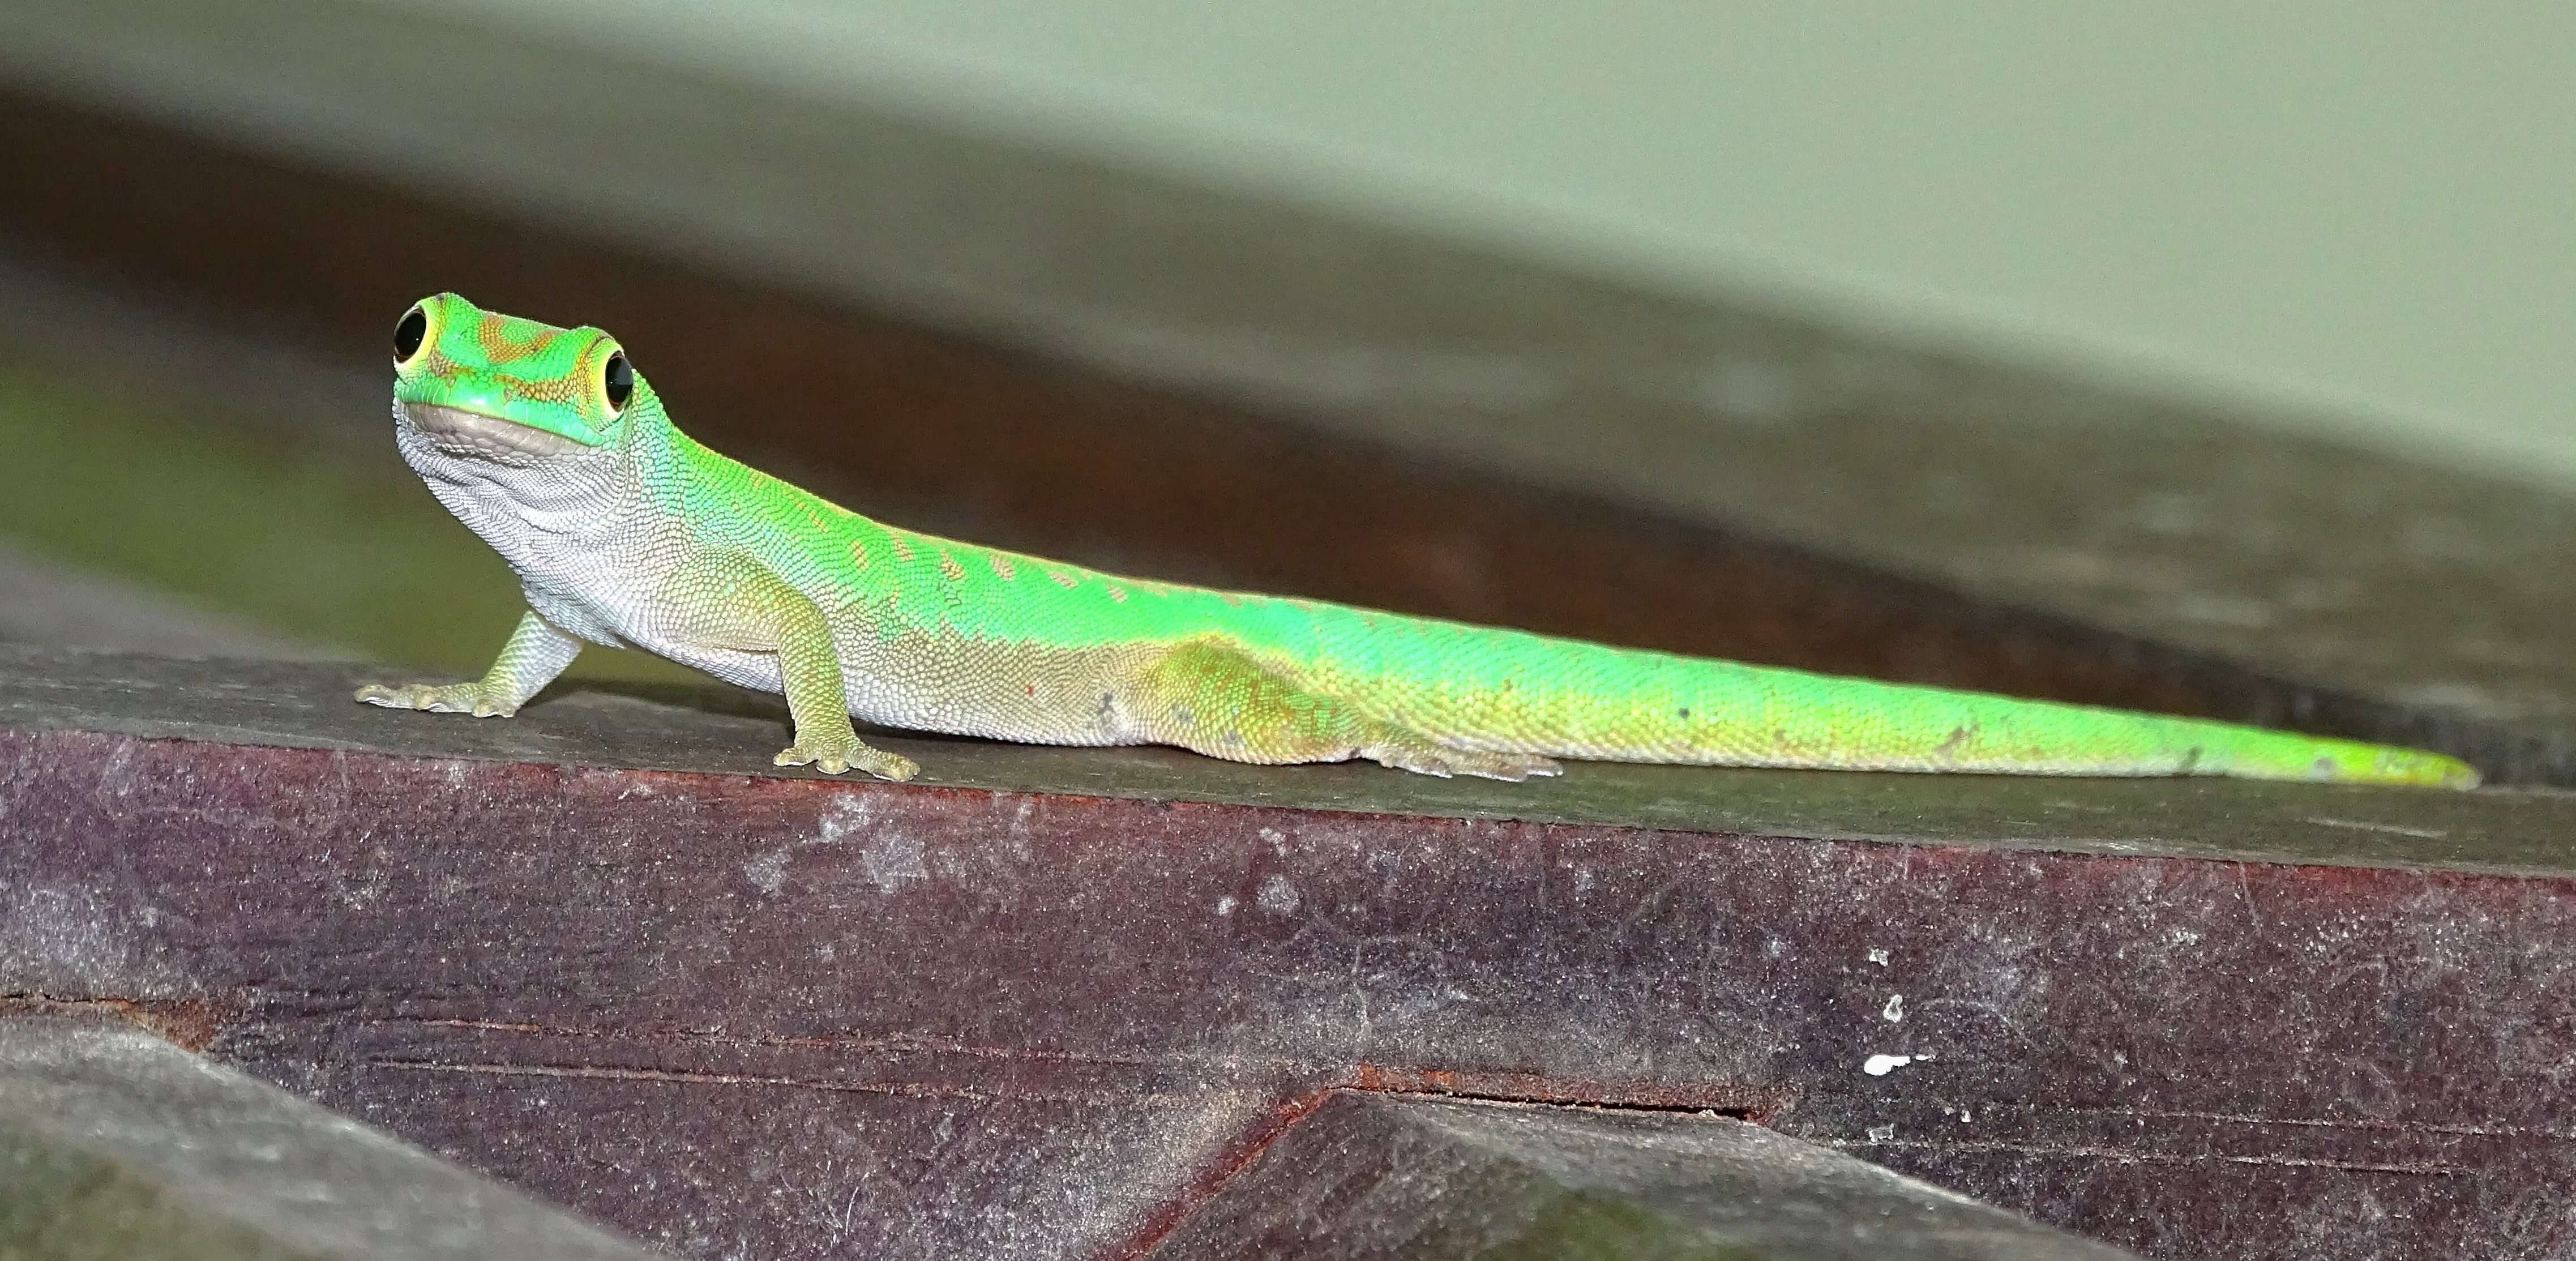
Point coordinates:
[(472, 435)]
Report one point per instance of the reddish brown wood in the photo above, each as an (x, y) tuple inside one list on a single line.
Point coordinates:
[(793, 1017)]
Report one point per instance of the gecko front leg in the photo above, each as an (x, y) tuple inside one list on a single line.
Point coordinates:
[(535, 654), (818, 703), (729, 600)]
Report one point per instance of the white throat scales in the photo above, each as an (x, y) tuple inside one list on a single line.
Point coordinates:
[(562, 521)]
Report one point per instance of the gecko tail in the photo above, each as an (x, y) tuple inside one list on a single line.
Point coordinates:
[(1506, 691), (1531, 694), (1792, 718)]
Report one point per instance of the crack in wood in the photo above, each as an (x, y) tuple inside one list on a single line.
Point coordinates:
[(1952, 1146)]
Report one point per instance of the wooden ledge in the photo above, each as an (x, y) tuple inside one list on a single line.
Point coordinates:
[(1045, 1004), (723, 731)]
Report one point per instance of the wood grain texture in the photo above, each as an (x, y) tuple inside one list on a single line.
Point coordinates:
[(727, 1009)]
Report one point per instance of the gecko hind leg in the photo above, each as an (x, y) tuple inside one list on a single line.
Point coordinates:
[(1211, 698)]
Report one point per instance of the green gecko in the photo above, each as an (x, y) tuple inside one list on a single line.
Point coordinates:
[(623, 531)]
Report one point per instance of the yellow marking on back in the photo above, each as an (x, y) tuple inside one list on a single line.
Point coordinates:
[(1064, 580), (902, 549), (858, 554), (1002, 567), (948, 565)]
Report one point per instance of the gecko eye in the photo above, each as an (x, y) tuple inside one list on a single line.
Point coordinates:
[(617, 380), (409, 334)]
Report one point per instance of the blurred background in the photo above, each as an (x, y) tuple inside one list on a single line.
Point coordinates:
[(2127, 355)]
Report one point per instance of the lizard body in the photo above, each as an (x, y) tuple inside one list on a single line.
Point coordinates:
[(624, 531)]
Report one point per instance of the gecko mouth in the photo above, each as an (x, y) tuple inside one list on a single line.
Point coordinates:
[(460, 432)]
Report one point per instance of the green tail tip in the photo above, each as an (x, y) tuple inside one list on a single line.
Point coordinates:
[(2384, 765)]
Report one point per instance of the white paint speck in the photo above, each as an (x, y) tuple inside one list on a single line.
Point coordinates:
[(1881, 1133), (1877, 955), (1895, 1009), (1278, 896), (1882, 1065), (1225, 905), (1583, 880)]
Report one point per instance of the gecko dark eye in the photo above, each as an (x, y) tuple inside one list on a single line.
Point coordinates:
[(408, 334), (618, 380)]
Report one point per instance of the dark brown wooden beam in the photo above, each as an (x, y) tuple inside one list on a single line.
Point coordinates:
[(1045, 1001)]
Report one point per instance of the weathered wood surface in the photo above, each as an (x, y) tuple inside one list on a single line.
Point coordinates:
[(1042, 1003), (117, 1146), (1381, 1177)]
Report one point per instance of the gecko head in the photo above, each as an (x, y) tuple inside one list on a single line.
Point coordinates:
[(481, 385)]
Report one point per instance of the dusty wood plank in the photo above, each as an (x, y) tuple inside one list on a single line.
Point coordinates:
[(715, 729), (117, 1146), (1041, 1008)]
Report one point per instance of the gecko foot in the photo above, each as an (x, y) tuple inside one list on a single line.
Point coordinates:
[(441, 698), (1423, 757), (834, 758)]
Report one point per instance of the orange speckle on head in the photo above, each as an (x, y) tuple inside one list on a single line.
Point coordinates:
[(1002, 567), (493, 331), (1032, 689), (948, 565)]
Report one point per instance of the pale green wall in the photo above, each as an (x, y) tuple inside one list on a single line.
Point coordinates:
[(2363, 205)]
